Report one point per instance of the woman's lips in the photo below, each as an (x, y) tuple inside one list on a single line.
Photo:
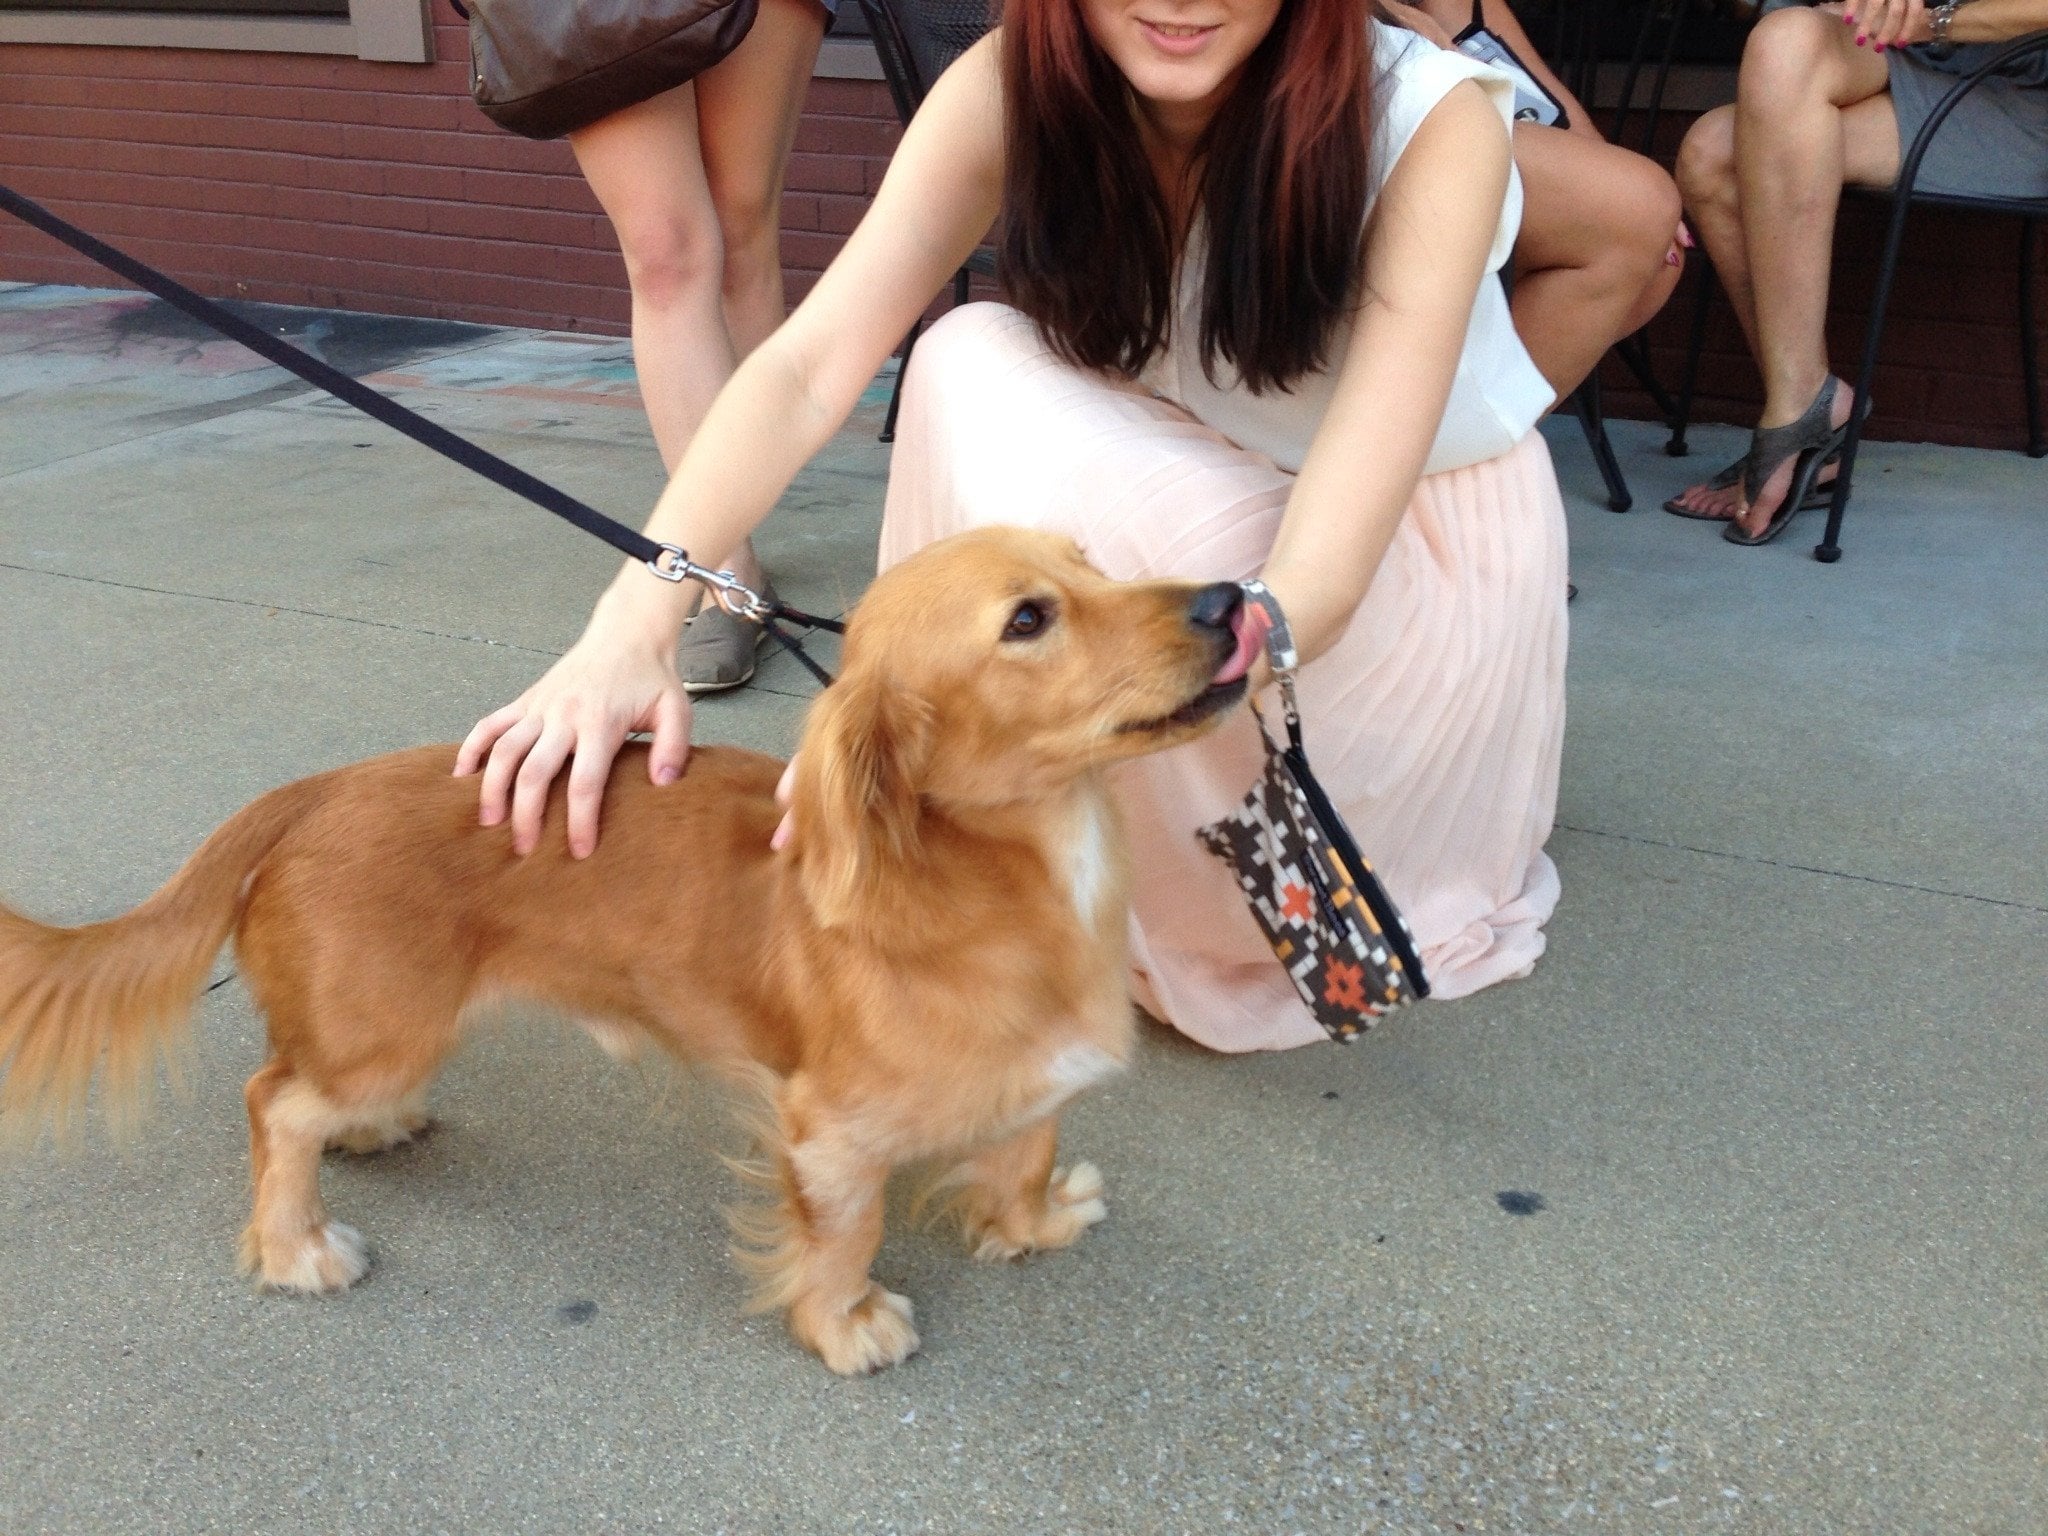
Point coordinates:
[(1180, 41)]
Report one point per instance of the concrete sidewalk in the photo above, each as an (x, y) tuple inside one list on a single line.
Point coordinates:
[(1778, 1085)]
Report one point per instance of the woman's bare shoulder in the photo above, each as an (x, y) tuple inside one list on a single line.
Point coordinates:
[(977, 72), (966, 101)]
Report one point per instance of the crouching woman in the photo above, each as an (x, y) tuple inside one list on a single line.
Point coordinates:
[(1256, 331)]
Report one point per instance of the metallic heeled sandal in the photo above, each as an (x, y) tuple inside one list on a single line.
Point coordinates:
[(1808, 442), (1730, 476)]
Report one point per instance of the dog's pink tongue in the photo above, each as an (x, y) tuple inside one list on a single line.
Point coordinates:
[(1250, 626)]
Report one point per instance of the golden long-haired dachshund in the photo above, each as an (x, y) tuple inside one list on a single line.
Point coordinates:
[(930, 970)]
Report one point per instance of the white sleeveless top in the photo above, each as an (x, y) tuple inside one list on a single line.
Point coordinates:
[(1497, 395)]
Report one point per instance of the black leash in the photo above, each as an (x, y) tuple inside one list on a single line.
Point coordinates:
[(664, 560)]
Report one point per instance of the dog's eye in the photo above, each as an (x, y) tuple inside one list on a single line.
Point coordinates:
[(1029, 622)]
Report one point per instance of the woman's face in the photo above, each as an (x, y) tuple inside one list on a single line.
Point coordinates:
[(1182, 57)]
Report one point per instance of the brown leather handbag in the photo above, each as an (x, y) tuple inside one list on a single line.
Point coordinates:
[(544, 68)]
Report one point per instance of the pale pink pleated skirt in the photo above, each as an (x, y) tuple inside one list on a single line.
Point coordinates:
[(1435, 723)]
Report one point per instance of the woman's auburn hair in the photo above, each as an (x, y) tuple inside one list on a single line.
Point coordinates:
[(1087, 245)]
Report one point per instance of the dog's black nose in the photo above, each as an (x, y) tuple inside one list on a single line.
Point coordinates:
[(1216, 605)]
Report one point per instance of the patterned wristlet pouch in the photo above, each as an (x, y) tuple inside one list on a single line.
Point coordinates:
[(1328, 918)]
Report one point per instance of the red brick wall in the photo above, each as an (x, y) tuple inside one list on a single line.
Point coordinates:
[(329, 181), (335, 182)]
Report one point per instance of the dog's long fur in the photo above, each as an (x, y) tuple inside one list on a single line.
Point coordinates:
[(931, 969)]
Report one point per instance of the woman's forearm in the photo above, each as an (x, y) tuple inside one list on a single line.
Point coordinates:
[(797, 388), (1426, 250), (1998, 21), (764, 427)]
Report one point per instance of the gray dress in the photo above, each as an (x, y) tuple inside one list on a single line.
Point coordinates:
[(1995, 143)]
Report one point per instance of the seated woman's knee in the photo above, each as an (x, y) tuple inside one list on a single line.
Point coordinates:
[(1620, 218), (1647, 205), (1706, 159), (1787, 52)]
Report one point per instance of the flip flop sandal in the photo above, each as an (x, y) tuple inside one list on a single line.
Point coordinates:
[(1731, 476), (1808, 443), (718, 650)]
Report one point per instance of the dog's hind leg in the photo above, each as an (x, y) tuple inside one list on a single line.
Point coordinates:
[(290, 1244), (356, 1036), (1015, 1201)]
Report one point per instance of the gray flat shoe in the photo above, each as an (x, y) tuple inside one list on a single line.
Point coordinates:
[(718, 651)]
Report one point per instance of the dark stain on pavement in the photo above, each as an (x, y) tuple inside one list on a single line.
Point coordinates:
[(355, 343)]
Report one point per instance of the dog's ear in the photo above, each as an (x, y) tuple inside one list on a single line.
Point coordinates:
[(860, 772)]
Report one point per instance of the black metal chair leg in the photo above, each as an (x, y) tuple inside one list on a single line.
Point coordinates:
[(1677, 446), (896, 394), (1635, 354), (1829, 550), (1618, 133), (1586, 405), (2030, 345)]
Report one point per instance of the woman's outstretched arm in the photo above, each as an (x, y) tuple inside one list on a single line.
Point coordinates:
[(1426, 247), (786, 400)]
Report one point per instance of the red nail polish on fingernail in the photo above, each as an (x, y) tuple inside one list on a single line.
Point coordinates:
[(1878, 49)]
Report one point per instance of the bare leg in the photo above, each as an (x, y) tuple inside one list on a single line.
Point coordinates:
[(1590, 263), (647, 169), (747, 111), (692, 181), (1016, 1201), (1764, 180)]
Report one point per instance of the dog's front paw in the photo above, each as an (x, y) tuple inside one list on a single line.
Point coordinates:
[(331, 1257), (1073, 1204), (872, 1335)]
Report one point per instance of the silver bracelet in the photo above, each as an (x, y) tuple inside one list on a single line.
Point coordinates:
[(1939, 21)]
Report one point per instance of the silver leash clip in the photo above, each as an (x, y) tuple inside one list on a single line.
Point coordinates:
[(726, 589)]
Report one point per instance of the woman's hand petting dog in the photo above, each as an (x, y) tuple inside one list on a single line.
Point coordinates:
[(620, 677)]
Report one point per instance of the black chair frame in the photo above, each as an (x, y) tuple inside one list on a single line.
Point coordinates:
[(1903, 196)]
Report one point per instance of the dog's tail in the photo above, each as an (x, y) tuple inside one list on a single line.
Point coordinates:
[(122, 990)]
